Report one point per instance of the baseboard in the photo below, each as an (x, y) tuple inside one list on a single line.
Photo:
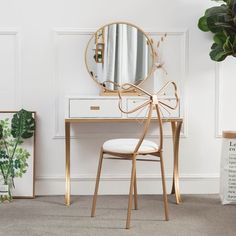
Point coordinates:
[(119, 184)]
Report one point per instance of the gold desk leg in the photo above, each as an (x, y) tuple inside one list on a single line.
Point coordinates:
[(135, 192), (176, 128), (67, 143)]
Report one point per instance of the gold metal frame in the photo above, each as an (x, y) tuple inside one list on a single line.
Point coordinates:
[(106, 91), (176, 124), (151, 103), (34, 152)]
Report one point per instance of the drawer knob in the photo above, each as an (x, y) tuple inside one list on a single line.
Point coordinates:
[(94, 108)]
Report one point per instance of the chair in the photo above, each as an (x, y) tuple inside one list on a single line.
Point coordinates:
[(131, 149)]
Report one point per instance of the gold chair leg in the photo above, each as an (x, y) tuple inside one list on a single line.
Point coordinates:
[(176, 128), (131, 192), (97, 184), (164, 188), (135, 192)]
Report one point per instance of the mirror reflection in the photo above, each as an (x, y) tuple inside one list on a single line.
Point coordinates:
[(120, 53)]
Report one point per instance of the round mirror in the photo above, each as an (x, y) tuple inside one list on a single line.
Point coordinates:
[(119, 53)]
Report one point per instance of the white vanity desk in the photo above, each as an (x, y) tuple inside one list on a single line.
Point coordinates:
[(105, 109)]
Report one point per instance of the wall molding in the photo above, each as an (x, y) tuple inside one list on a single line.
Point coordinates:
[(58, 32), (183, 33), (147, 184), (217, 101), (17, 58), (125, 177)]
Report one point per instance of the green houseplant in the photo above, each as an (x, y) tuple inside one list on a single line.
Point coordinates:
[(13, 157), (221, 21)]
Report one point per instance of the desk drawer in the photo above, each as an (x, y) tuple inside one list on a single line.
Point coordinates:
[(94, 108)]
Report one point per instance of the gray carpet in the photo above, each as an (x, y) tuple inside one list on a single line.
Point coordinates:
[(198, 215)]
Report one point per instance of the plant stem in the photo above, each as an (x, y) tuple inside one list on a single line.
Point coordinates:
[(3, 174), (7, 151), (5, 144), (10, 158)]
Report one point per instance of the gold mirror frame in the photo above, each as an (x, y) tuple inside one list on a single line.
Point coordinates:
[(131, 91)]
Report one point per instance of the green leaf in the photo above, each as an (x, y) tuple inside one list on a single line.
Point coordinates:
[(218, 56), (226, 1), (217, 23), (23, 124), (1, 131), (214, 45), (228, 47), (233, 7), (218, 53), (202, 24), (229, 2), (234, 44), (219, 38), (217, 18), (234, 20), (218, 10), (3, 154)]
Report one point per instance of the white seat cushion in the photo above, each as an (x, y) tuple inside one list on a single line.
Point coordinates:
[(128, 145)]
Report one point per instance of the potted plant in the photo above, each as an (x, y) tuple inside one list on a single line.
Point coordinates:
[(13, 157), (221, 21)]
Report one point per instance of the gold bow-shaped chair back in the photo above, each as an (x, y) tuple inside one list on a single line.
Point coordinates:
[(154, 102)]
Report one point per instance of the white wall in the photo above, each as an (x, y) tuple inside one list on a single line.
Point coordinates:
[(41, 52)]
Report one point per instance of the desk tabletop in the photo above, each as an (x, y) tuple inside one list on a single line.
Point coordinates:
[(84, 120)]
